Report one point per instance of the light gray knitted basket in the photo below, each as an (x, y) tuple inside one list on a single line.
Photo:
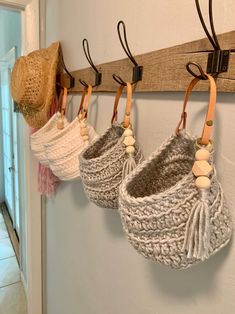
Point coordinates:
[(103, 163), (101, 166), (166, 217)]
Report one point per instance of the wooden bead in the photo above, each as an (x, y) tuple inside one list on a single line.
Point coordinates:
[(130, 149), (203, 182), (129, 141), (202, 154), (128, 132), (83, 124), (201, 168), (60, 124), (85, 137), (84, 131), (210, 147)]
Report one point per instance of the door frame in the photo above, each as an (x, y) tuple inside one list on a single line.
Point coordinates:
[(7, 64), (30, 10)]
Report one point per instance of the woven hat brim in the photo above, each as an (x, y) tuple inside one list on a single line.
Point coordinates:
[(39, 118)]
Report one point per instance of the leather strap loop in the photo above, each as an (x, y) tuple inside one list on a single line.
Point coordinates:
[(127, 117), (64, 101), (207, 129), (116, 102), (59, 100), (126, 121), (85, 100)]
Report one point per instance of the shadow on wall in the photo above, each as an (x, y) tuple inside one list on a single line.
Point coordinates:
[(78, 195), (190, 282), (111, 217), (113, 223)]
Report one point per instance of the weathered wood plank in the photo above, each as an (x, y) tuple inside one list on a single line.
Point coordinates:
[(163, 70)]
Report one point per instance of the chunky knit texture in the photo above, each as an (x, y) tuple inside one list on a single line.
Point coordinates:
[(45, 135), (101, 166), (156, 199), (63, 150)]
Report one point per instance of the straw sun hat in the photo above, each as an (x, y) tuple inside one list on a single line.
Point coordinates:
[(33, 84)]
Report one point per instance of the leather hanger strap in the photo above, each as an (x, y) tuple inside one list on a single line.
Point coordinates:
[(64, 101), (127, 117), (126, 121), (84, 91), (116, 102), (59, 100), (207, 129), (85, 100)]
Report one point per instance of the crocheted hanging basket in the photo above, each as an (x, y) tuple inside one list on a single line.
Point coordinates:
[(166, 216), (50, 130), (63, 150), (108, 159)]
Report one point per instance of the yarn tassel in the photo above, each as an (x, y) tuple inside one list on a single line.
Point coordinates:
[(197, 234), (128, 166)]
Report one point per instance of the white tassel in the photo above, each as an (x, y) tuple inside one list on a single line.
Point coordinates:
[(128, 166), (197, 234)]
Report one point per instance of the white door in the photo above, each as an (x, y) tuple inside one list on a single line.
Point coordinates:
[(10, 140)]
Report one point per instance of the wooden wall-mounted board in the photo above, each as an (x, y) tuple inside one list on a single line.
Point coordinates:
[(163, 70)]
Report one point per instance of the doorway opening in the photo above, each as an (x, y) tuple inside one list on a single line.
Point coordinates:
[(12, 181)]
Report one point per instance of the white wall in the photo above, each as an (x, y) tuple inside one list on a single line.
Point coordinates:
[(90, 266)]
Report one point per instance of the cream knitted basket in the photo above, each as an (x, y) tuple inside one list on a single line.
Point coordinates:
[(167, 216), (104, 163), (50, 130), (63, 150)]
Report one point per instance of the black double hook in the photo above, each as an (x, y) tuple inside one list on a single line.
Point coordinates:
[(98, 75), (218, 59), (213, 39), (62, 63), (138, 69)]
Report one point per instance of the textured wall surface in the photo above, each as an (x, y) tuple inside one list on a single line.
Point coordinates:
[(90, 268)]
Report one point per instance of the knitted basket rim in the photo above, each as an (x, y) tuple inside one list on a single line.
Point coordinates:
[(57, 139), (86, 161), (39, 132), (63, 153), (171, 190)]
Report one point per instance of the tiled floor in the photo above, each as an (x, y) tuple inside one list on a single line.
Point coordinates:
[(12, 296)]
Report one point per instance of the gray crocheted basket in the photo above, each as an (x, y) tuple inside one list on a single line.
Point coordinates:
[(156, 199), (172, 205), (101, 166)]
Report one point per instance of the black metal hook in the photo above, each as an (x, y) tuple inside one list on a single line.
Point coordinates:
[(98, 75), (213, 39), (138, 69), (61, 60), (118, 79), (202, 75), (219, 59)]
